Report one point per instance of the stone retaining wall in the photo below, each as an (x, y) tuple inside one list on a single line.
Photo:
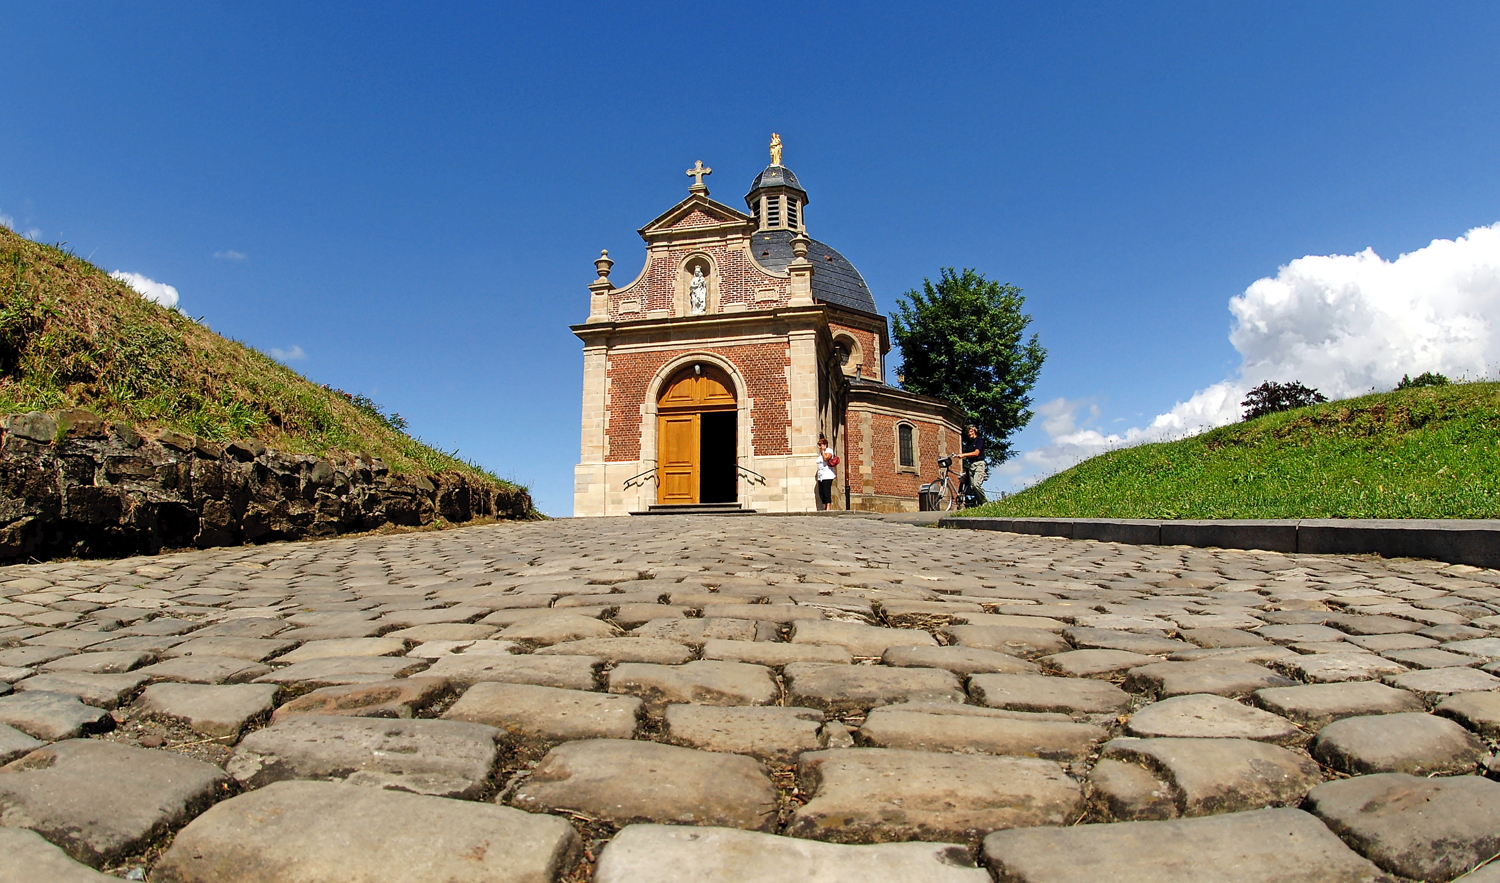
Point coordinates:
[(73, 485), (1474, 542)]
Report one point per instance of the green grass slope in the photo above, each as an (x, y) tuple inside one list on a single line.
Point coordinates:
[(70, 336), (1432, 452)]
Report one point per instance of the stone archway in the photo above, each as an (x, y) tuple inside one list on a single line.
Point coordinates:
[(697, 437)]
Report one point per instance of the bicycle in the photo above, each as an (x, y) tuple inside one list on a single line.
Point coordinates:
[(949, 490)]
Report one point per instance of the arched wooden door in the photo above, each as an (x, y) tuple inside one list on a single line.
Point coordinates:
[(695, 437)]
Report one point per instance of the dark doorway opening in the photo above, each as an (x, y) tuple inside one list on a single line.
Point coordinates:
[(717, 480)]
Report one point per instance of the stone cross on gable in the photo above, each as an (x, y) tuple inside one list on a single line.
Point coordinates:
[(698, 171)]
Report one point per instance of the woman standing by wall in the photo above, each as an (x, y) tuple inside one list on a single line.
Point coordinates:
[(826, 475)]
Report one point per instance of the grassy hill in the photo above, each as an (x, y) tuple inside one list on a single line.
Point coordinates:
[(70, 336), (1432, 452)]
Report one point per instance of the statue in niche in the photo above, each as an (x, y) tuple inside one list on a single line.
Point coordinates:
[(698, 293)]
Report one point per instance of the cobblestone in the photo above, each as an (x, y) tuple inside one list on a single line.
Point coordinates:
[(1040, 693), (771, 733), (881, 795), (394, 698), (1263, 846), (210, 710), (759, 688), (100, 801), (623, 782), (1423, 828), (845, 688), (1210, 776), (445, 758), (1479, 712), (1420, 744), (546, 715), (25, 855), (1317, 705), (708, 682), (306, 831), (673, 854), (52, 716), (1205, 716), (969, 730)]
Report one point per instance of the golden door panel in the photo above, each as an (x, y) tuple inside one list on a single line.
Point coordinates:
[(690, 389), (678, 461)]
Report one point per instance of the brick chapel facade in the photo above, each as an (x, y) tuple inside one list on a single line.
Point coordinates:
[(709, 377)]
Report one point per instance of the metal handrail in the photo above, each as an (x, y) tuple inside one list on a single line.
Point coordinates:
[(640, 477), (750, 473)]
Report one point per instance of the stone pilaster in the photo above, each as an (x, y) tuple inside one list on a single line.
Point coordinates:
[(802, 405), (591, 446)]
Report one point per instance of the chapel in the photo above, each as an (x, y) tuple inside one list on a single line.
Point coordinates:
[(708, 379)]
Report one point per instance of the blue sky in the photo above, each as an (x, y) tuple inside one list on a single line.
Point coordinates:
[(412, 198)]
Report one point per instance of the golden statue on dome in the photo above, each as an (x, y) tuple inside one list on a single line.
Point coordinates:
[(775, 149)]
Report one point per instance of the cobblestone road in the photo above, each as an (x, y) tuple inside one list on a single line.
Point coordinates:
[(747, 699)]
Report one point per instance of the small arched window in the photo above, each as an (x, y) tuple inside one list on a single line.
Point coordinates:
[(906, 449), (849, 353)]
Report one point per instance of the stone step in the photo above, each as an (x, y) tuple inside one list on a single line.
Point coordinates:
[(695, 509)]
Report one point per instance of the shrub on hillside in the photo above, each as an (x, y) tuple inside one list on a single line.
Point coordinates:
[(392, 420), (1271, 397), (1426, 378)]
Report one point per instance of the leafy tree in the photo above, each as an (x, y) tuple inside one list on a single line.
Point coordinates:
[(1426, 378), (963, 339), (1270, 397)]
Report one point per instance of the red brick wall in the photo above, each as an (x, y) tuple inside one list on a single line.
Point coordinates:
[(762, 365), (738, 281), (932, 437), (695, 218)]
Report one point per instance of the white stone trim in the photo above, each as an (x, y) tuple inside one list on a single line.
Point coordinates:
[(744, 408), (916, 447)]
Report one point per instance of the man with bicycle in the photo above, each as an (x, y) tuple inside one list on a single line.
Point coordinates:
[(975, 469)]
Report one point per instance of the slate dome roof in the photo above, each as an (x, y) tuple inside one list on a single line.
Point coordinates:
[(835, 281), (775, 176)]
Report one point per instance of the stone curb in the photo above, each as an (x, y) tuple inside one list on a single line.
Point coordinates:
[(1457, 541)]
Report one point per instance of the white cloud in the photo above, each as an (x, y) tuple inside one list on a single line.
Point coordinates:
[(9, 223), (157, 292), (1343, 324), (231, 255), (1346, 323), (292, 355)]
